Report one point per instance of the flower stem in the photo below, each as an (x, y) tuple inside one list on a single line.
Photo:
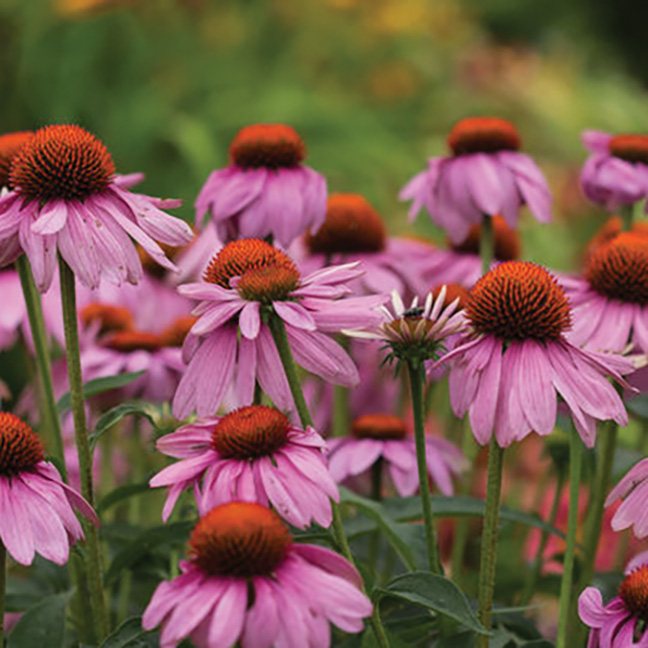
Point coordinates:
[(487, 243), (416, 389), (3, 589), (594, 520), (43, 365), (93, 556), (534, 574), (489, 538), (280, 338), (376, 495), (575, 462)]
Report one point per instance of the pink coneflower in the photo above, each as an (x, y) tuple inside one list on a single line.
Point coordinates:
[(253, 454), (36, 507), (354, 231), (610, 302), (461, 263), (509, 369), (135, 328), (484, 176), (621, 623), (247, 582), (266, 190), (416, 333), (66, 199), (616, 173), (633, 489), (246, 282), (383, 436)]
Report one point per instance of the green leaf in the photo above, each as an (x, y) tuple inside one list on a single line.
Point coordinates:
[(435, 593), (42, 626), (375, 511), (117, 413), (121, 493), (175, 534), (130, 635), (98, 386)]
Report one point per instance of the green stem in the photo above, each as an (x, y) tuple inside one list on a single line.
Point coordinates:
[(627, 216), (416, 392), (341, 405), (376, 495), (93, 554), (3, 589), (487, 244), (544, 538), (575, 462), (43, 365), (489, 539), (280, 338), (596, 505)]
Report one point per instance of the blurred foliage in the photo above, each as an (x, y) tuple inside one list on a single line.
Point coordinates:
[(372, 85)]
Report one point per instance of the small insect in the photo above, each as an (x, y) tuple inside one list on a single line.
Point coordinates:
[(414, 311)]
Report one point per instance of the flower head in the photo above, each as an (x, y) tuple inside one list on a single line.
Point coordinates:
[(354, 231), (484, 176), (621, 623), (387, 437), (616, 173), (252, 454), (417, 333), (36, 507), (246, 283), (514, 360), (66, 198), (266, 190), (243, 571)]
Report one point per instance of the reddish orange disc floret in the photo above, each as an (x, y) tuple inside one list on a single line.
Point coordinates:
[(382, 427), (111, 318), (10, 144), (20, 448), (352, 225), (175, 334), (483, 135), (453, 291), (507, 241), (250, 432), (631, 148), (237, 257), (619, 268), (129, 341), (272, 146), (268, 284), (239, 539), (634, 592), (519, 300), (61, 161)]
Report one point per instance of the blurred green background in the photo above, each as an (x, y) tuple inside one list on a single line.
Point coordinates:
[(372, 85)]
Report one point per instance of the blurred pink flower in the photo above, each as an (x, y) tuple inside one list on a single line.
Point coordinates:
[(616, 173), (266, 190), (484, 176), (386, 437)]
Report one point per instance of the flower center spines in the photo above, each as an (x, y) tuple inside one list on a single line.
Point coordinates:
[(20, 448), (239, 539), (519, 300), (270, 146), (483, 135), (634, 592), (62, 161)]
